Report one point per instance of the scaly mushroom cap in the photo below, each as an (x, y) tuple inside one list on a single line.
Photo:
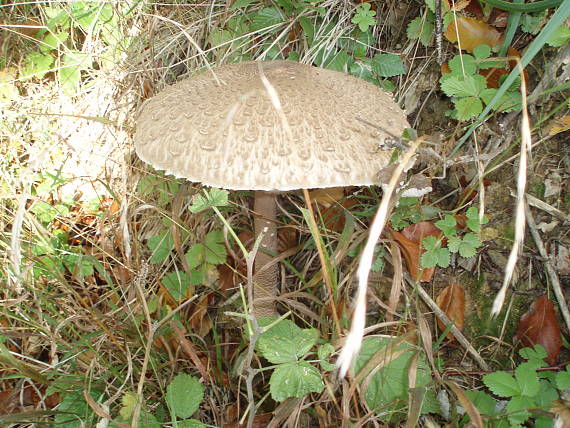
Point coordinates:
[(276, 125)]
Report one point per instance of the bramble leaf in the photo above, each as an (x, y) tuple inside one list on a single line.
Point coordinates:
[(184, 395), (294, 380)]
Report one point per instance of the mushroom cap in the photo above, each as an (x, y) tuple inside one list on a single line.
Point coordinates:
[(276, 125)]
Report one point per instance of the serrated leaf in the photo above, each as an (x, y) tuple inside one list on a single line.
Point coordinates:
[(456, 86), (525, 374), (211, 198), (468, 107), (482, 51), (448, 225), (431, 243), (215, 250), (184, 395), (285, 342), (502, 384), (177, 283), (518, 406), (537, 352), (387, 65), (241, 3), (190, 423), (388, 387), (323, 353), (559, 37), (37, 65), (364, 17), (294, 380), (436, 257), (265, 19), (563, 379), (422, 30), (482, 401), (547, 394), (161, 246), (52, 41), (462, 65)]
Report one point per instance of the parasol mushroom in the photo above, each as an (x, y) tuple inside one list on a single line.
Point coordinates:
[(268, 127)]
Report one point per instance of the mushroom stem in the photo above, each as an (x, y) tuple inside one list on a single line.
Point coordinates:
[(265, 279)]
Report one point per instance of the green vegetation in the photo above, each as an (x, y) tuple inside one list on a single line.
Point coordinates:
[(125, 291)]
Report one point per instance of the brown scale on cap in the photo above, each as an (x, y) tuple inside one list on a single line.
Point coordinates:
[(269, 126)]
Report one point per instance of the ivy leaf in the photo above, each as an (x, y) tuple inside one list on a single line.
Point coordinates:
[(387, 65), (502, 384), (422, 30), (184, 395), (285, 342), (211, 198), (468, 107), (294, 380)]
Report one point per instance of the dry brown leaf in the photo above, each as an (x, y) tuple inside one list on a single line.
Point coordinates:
[(539, 327), (559, 125), (471, 33), (327, 196), (199, 321), (410, 242), (451, 300)]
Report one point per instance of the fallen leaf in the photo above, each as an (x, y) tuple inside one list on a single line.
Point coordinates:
[(410, 242), (559, 125), (471, 33), (539, 327), (199, 321), (451, 300)]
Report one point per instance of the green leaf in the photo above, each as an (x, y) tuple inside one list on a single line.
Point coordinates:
[(184, 395), (468, 107), (241, 3), (387, 65), (70, 73), (448, 225), (466, 246), (341, 61), (434, 254), (422, 30), (294, 380), (525, 374), (73, 411), (37, 65), (519, 404), (473, 221), (536, 353), (482, 401), (323, 353), (532, 23), (482, 52), (563, 379), (462, 86), (190, 423), (502, 384), (285, 342), (547, 394), (461, 65), (52, 41), (559, 37), (215, 250), (265, 18), (177, 283), (364, 17), (211, 198), (161, 246), (388, 387), (359, 69), (195, 256)]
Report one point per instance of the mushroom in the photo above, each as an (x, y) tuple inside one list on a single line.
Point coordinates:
[(268, 127)]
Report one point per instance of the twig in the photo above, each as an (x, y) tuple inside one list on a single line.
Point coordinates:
[(549, 268)]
